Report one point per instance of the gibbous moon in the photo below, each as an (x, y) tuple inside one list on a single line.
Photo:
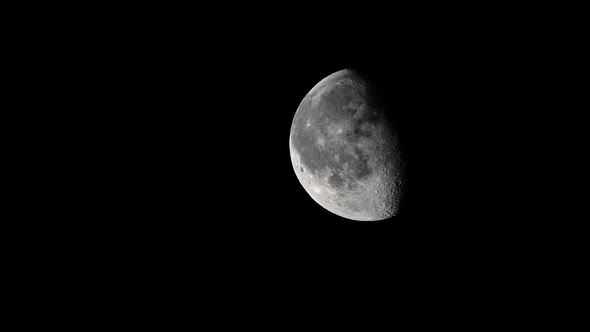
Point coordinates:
[(345, 151)]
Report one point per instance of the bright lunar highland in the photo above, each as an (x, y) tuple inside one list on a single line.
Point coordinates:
[(345, 150)]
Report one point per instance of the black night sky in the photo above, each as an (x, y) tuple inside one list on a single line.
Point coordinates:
[(211, 115), (185, 190)]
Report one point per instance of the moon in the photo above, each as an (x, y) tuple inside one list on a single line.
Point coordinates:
[(345, 151)]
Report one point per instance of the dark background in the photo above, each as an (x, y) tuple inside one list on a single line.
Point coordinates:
[(166, 135), (192, 127), (197, 115)]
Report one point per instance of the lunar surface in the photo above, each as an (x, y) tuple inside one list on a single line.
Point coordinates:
[(345, 151)]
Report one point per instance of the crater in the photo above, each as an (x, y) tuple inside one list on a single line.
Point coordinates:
[(336, 181)]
